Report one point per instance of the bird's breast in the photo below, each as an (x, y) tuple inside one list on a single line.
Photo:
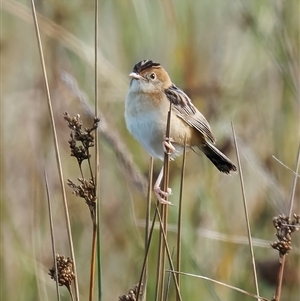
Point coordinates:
[(146, 120)]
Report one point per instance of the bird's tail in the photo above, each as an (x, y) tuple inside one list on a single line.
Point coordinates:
[(218, 158)]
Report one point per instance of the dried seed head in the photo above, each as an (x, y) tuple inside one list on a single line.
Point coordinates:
[(87, 191), (132, 294), (65, 272), (82, 135), (284, 228)]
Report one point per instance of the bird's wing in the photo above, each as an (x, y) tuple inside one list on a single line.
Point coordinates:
[(185, 109)]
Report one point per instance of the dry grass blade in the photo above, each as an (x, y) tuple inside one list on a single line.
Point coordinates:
[(169, 255), (178, 259), (294, 184), (223, 284), (96, 246), (52, 235), (93, 261), (37, 31), (146, 256), (246, 212), (96, 75), (164, 212), (160, 267), (286, 166), (148, 234), (148, 211)]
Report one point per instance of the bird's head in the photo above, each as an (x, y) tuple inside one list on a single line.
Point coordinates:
[(149, 77)]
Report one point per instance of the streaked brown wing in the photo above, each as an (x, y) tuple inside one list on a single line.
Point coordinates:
[(188, 112)]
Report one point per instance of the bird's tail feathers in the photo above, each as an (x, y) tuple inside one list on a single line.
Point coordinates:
[(218, 158)]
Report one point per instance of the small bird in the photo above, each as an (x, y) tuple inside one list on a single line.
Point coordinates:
[(146, 109)]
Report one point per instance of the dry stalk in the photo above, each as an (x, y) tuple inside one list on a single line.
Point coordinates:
[(57, 153), (52, 235), (221, 283), (246, 213), (164, 236), (160, 279), (96, 231), (142, 285), (179, 240)]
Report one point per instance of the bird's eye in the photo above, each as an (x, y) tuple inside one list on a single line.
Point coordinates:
[(152, 75)]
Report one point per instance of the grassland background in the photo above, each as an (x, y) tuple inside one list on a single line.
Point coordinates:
[(238, 60)]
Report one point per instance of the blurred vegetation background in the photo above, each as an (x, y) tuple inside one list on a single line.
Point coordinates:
[(238, 61)]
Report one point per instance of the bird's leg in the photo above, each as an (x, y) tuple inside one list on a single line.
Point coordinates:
[(168, 146), (158, 192)]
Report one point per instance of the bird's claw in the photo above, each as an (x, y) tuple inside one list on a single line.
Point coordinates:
[(161, 195), (168, 146)]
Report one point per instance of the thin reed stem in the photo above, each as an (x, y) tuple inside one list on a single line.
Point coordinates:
[(96, 225), (146, 255), (164, 212), (52, 235), (221, 283), (147, 219), (179, 224), (57, 153), (246, 212), (294, 184), (93, 259), (168, 254)]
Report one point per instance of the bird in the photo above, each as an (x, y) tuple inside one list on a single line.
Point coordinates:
[(146, 109)]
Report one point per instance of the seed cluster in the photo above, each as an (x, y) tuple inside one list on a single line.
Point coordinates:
[(132, 294), (85, 190), (65, 271), (85, 138), (82, 135), (285, 227)]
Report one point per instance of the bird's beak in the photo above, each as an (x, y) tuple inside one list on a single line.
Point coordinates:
[(134, 75)]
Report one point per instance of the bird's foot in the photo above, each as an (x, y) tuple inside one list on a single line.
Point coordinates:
[(161, 195), (168, 146)]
